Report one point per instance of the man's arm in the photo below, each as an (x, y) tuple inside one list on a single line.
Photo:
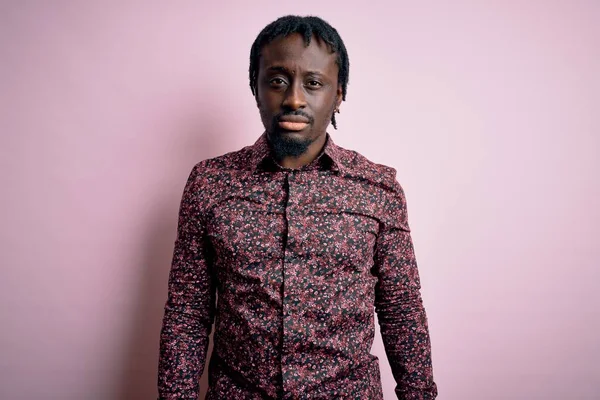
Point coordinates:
[(400, 312), (189, 309)]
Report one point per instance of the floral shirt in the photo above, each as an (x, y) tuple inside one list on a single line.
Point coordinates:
[(290, 266)]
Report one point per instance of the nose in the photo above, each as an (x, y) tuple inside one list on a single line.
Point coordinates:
[(294, 97)]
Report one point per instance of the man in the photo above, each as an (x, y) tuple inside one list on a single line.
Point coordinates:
[(302, 240)]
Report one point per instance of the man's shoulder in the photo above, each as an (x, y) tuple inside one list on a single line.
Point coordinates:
[(361, 166), (232, 160), (210, 176), (383, 180), (213, 171)]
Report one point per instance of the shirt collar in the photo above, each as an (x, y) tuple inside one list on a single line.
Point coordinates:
[(260, 151)]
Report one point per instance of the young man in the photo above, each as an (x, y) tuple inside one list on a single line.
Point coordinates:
[(302, 240)]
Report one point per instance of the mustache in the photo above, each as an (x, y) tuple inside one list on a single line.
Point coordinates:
[(301, 113)]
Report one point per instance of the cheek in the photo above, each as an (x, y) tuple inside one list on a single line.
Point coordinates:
[(265, 102), (263, 114), (260, 103), (263, 110), (326, 108)]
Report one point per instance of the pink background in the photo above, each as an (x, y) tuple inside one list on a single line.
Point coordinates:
[(489, 112)]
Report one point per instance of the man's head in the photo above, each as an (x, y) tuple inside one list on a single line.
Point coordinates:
[(298, 74)]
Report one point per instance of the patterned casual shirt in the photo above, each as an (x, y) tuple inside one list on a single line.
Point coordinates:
[(290, 265)]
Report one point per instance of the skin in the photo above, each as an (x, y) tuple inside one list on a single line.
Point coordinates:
[(301, 80)]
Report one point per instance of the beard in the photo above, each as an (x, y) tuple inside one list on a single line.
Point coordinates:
[(283, 145)]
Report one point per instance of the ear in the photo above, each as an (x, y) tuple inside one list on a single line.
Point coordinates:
[(338, 96)]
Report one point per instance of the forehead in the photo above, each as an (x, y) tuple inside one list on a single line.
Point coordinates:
[(291, 52)]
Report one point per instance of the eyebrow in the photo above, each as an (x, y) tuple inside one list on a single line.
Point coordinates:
[(279, 68)]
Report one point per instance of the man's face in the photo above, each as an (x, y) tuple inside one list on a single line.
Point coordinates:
[(298, 91)]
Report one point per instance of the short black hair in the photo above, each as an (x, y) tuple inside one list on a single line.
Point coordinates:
[(307, 27)]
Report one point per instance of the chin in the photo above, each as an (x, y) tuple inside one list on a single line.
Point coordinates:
[(290, 143)]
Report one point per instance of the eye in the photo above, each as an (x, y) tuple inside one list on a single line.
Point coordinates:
[(314, 84), (277, 82)]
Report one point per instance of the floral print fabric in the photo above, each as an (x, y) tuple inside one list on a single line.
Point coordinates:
[(289, 265)]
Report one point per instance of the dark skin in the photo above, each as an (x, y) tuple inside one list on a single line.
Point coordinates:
[(300, 80)]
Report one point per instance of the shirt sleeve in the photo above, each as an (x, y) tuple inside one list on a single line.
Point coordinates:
[(190, 306), (398, 304)]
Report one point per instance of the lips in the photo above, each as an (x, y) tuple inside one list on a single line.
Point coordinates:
[(293, 122)]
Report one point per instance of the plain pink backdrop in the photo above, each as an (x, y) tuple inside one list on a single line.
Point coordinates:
[(488, 110)]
